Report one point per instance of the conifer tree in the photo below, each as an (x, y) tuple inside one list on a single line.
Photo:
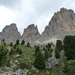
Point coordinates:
[(58, 48), (57, 54), (37, 49), (23, 42), (11, 44), (39, 61), (69, 46), (65, 68), (17, 42), (46, 54), (3, 53), (28, 44)]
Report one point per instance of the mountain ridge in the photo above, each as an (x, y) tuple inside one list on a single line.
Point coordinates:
[(61, 24)]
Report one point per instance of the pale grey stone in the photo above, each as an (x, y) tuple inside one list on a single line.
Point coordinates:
[(47, 72), (17, 56), (31, 33), (10, 33), (35, 69)]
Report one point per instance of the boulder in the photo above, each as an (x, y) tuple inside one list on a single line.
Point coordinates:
[(51, 62), (35, 69), (62, 55), (17, 56), (47, 72)]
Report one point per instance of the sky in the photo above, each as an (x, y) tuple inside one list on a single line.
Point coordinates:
[(26, 12)]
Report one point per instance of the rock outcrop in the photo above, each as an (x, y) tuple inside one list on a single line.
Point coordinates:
[(10, 33), (17, 72), (31, 33), (61, 24), (52, 61)]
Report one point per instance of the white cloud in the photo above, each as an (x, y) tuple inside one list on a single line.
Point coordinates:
[(43, 21), (25, 12), (6, 16)]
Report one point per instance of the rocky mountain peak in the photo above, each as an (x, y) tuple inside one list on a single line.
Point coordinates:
[(62, 23), (13, 25), (10, 27), (31, 33), (10, 33), (62, 10), (31, 26), (63, 15)]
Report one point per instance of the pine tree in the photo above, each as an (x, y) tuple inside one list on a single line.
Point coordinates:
[(59, 45), (18, 50), (39, 61), (28, 44), (37, 49), (3, 54), (15, 46), (12, 51), (58, 48), (11, 44), (17, 42), (46, 54), (65, 68), (23, 42), (57, 54)]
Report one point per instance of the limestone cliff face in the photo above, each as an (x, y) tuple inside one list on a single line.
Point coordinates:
[(10, 33), (61, 24), (31, 33)]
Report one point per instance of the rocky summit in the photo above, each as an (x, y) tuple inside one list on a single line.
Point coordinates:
[(60, 25), (10, 33), (31, 33)]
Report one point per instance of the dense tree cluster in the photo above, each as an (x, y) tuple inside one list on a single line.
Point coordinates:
[(15, 51), (3, 53), (48, 51), (41, 58), (42, 53), (69, 46)]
